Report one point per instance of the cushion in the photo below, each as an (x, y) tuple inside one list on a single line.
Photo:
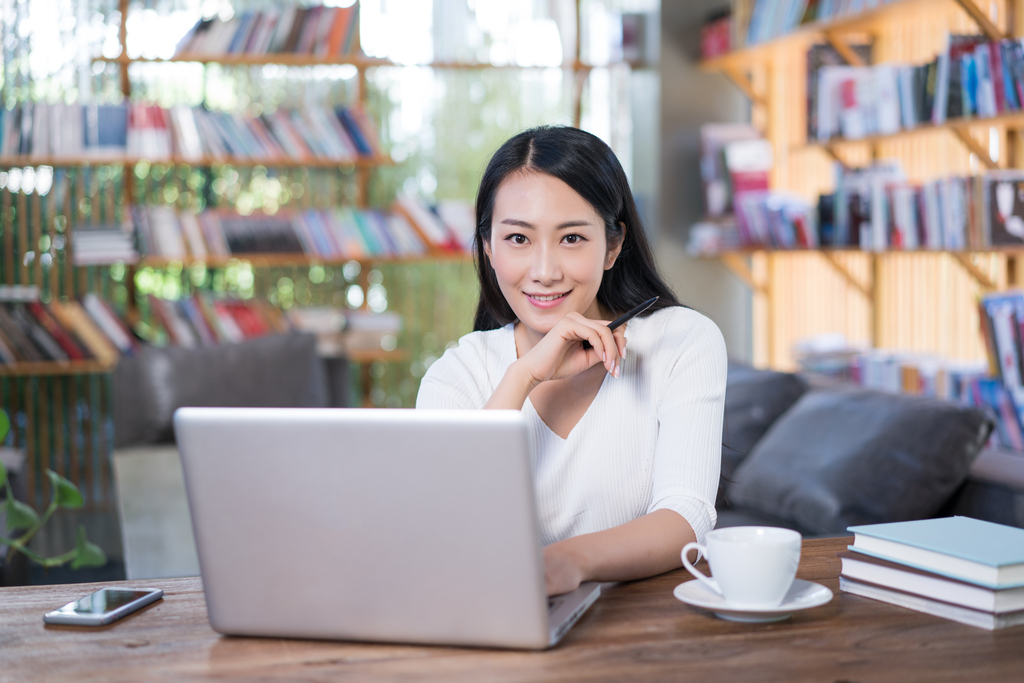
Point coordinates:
[(841, 457), (754, 399), (278, 371)]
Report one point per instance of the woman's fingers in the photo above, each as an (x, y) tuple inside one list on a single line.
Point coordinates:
[(609, 348)]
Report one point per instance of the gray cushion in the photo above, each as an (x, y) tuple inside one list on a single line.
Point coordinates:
[(754, 399), (279, 371), (849, 456)]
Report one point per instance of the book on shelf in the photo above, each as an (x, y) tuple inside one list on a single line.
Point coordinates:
[(775, 219), (329, 234), (339, 331), (818, 57), (716, 34), (963, 548), (289, 29), (893, 575), (717, 175), (938, 608), (971, 78), (317, 133)]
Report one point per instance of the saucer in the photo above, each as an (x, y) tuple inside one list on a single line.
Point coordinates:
[(801, 595)]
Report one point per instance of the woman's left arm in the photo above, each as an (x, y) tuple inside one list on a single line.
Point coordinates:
[(686, 467)]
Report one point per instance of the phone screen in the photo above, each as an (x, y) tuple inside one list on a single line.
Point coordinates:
[(105, 600)]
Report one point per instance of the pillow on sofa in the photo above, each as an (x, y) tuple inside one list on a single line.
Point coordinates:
[(849, 456), (754, 400)]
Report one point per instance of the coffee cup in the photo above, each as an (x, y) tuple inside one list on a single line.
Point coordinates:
[(751, 566)]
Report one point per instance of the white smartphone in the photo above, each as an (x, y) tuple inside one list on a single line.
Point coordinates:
[(103, 607)]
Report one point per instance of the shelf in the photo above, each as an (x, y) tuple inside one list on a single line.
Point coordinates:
[(365, 356), (107, 160), (254, 60), (359, 62), (50, 368), (746, 251), (285, 260), (864, 21), (1010, 119)]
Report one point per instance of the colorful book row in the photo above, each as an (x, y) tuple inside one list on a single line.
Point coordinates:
[(201, 320), (972, 78), (41, 130), (287, 29)]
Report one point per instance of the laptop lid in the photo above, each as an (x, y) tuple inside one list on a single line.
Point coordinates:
[(380, 525)]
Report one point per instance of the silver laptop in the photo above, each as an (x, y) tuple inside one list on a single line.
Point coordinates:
[(377, 525)]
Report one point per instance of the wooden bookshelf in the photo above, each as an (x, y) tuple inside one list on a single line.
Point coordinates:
[(108, 160), (55, 368), (865, 22), (358, 62), (288, 260), (958, 126), (279, 59)]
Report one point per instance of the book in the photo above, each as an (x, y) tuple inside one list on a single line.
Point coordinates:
[(73, 317), (964, 615), (869, 569), (963, 548)]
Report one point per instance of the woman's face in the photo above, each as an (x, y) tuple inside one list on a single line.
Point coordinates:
[(548, 250)]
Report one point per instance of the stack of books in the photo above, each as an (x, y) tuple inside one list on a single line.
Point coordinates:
[(32, 331), (756, 21), (204, 320), (289, 29), (96, 245), (41, 130), (957, 568)]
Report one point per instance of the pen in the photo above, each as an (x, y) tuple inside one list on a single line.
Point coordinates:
[(626, 317)]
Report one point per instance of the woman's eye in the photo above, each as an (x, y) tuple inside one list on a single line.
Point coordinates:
[(573, 239), (517, 239)]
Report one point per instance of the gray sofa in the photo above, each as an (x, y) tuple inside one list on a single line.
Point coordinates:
[(279, 371), (821, 458)]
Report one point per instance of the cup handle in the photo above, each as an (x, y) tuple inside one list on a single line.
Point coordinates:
[(706, 580)]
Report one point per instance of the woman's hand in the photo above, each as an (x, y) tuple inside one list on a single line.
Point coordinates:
[(561, 352), (562, 570)]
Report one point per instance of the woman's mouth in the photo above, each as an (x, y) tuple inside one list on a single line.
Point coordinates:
[(546, 300)]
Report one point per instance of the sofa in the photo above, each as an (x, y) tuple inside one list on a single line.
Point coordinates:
[(818, 457)]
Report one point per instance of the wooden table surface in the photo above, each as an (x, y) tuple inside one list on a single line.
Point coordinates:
[(635, 632)]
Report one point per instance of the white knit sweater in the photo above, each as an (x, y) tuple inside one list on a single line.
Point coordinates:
[(651, 439)]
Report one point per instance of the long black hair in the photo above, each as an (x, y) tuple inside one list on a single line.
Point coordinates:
[(587, 165)]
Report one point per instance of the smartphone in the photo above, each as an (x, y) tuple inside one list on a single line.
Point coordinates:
[(103, 607)]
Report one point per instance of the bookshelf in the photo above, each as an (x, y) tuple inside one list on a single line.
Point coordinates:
[(919, 300)]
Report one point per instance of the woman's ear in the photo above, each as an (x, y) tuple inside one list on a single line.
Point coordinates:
[(613, 253), (487, 250)]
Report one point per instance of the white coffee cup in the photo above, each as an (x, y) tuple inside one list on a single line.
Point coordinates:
[(751, 566)]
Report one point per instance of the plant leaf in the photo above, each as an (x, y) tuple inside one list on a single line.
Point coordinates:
[(19, 515), (5, 424), (3, 473), (66, 494), (88, 554)]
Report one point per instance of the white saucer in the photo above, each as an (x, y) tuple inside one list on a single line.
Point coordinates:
[(802, 595)]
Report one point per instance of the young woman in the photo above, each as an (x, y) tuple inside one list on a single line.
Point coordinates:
[(626, 434)]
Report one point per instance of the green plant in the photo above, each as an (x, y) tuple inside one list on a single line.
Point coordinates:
[(22, 517)]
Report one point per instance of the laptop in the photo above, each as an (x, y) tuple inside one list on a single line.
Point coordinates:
[(410, 526)]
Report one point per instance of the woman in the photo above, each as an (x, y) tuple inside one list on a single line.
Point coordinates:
[(626, 435)]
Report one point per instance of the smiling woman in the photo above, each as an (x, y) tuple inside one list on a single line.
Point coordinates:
[(626, 470)]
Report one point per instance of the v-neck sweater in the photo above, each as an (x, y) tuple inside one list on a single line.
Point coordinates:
[(650, 440)]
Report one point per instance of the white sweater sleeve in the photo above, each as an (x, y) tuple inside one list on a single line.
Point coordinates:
[(688, 455), (455, 380)]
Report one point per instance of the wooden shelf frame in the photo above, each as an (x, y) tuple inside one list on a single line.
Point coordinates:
[(299, 260), (959, 127), (55, 368), (111, 160)]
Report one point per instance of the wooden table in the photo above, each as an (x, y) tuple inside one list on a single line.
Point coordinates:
[(635, 632)]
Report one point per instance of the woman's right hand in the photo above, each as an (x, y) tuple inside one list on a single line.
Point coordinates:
[(561, 353)]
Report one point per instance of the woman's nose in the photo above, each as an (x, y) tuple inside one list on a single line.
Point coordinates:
[(546, 267)]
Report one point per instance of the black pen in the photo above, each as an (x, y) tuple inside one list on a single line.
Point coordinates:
[(626, 317)]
